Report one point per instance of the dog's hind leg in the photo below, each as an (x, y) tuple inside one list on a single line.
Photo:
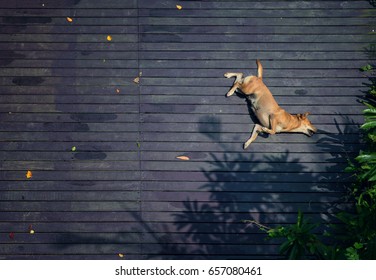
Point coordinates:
[(237, 83), (256, 130), (239, 76)]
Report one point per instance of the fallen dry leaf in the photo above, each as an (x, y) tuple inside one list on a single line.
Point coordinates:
[(74, 148), (183, 157), (117, 90), (137, 79), (109, 38), (11, 235), (121, 255), (31, 231), (179, 7), (69, 19), (29, 174)]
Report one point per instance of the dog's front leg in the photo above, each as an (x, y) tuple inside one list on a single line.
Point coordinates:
[(256, 130)]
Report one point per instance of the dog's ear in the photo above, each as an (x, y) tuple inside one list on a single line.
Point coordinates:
[(306, 114), (299, 116)]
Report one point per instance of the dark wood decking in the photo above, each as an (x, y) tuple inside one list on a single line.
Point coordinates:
[(64, 85)]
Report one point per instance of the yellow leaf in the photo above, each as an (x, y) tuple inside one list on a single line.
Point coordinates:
[(69, 19), (179, 7), (137, 79), (32, 231), (109, 38), (29, 174), (183, 157), (121, 255)]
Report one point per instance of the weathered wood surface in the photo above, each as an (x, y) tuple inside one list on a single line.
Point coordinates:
[(121, 189)]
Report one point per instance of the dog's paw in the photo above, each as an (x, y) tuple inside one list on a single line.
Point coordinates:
[(227, 75), (246, 145)]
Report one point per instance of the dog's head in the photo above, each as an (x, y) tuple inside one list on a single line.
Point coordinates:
[(306, 126)]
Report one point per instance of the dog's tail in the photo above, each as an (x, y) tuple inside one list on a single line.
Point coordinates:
[(259, 68)]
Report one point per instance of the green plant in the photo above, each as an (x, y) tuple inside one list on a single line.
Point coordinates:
[(299, 241)]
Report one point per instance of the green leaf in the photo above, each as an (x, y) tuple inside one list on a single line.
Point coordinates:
[(366, 68), (368, 125)]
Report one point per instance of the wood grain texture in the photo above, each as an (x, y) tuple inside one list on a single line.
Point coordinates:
[(103, 149)]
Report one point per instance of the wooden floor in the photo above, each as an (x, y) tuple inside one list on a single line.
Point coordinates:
[(102, 149)]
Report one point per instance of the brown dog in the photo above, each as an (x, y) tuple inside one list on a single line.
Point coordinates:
[(273, 118)]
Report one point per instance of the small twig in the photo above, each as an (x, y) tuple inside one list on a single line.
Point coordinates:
[(260, 226)]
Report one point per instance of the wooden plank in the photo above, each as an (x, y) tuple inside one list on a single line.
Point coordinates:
[(76, 175), (271, 73), (87, 165), (83, 4), (61, 207), (250, 64), (51, 21), (264, 187), (241, 167), (60, 90), (9, 55), (259, 145), (73, 196), (273, 5), (82, 47), (78, 12), (74, 63), (69, 108), (239, 38), (82, 147), (214, 100), (252, 155), (62, 249), (81, 29), (245, 21), (82, 217), (71, 185), (70, 38), (236, 12), (64, 155), (217, 120), (223, 176), (242, 109), (231, 29), (220, 91)]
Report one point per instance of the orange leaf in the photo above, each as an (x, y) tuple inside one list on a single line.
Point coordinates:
[(179, 7), (69, 19), (29, 174), (109, 38), (183, 157)]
